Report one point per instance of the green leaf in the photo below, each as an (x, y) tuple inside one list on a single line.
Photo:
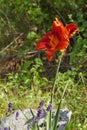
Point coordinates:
[(58, 109), (31, 35), (31, 112), (49, 116)]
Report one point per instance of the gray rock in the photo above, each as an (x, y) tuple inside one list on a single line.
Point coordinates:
[(19, 123), (64, 118)]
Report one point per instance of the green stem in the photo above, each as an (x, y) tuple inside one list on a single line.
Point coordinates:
[(58, 67)]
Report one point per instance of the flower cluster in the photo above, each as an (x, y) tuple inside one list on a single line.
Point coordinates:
[(5, 128), (41, 104), (10, 110), (10, 107), (49, 107), (41, 113), (28, 127), (57, 39), (17, 115)]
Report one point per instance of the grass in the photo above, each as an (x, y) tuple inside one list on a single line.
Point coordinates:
[(75, 97)]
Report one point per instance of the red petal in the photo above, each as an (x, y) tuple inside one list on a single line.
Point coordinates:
[(57, 23), (59, 30), (72, 28), (50, 54), (63, 45), (42, 44)]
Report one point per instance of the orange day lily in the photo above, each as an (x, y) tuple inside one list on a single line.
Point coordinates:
[(57, 39)]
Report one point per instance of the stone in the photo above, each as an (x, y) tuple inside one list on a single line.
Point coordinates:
[(17, 120), (64, 119)]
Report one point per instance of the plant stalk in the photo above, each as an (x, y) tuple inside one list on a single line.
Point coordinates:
[(58, 67)]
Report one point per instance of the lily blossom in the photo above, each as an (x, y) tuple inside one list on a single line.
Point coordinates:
[(57, 39)]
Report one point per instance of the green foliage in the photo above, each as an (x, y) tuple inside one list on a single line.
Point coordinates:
[(33, 18), (30, 78), (74, 95), (18, 93), (18, 89), (79, 50), (79, 43)]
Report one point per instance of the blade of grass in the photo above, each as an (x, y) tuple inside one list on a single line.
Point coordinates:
[(23, 113), (30, 120), (31, 112), (49, 117), (58, 109), (50, 114), (38, 127)]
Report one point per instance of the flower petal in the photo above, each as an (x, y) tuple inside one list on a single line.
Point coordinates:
[(43, 43), (59, 30), (41, 46), (63, 45), (72, 28), (57, 23), (50, 54)]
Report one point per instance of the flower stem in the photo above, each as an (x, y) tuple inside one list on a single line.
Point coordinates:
[(58, 67)]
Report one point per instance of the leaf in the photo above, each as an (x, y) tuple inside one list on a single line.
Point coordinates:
[(58, 109), (31, 112), (31, 35), (49, 116)]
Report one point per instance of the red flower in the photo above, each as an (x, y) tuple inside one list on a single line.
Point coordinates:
[(57, 39)]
